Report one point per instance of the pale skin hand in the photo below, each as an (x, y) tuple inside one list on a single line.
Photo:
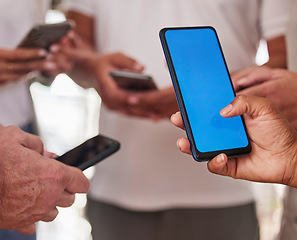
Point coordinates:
[(274, 144), (32, 185)]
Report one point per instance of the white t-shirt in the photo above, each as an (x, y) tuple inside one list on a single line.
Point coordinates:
[(16, 19), (149, 172)]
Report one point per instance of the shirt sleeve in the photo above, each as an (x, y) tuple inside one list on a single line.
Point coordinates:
[(81, 6), (274, 17)]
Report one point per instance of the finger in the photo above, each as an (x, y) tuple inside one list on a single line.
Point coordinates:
[(10, 77), (177, 120), (124, 62), (28, 66), (50, 216), (218, 165), (33, 142), (77, 181), (184, 145), (257, 90), (255, 77), (253, 106), (28, 229), (50, 155), (23, 54), (66, 199)]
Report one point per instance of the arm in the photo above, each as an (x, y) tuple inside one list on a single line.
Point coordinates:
[(32, 185), (277, 52), (274, 144)]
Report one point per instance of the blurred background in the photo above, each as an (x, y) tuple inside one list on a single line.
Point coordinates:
[(68, 114)]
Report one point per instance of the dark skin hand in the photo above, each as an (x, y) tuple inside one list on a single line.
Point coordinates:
[(278, 85), (274, 144)]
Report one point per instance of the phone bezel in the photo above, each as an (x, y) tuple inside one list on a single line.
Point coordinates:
[(197, 155)]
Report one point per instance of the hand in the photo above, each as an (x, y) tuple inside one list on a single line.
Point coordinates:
[(16, 63), (278, 85), (65, 53), (32, 185), (112, 96), (273, 140), (251, 76), (155, 104)]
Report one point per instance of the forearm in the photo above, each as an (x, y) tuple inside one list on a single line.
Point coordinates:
[(277, 53)]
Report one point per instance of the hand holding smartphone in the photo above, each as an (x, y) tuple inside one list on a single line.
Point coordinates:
[(133, 81), (90, 152), (203, 87), (44, 35)]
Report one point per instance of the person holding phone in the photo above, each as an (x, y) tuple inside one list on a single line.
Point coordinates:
[(17, 66), (151, 183), (32, 183), (274, 144)]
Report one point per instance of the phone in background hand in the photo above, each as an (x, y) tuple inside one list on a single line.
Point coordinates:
[(44, 35), (133, 81), (90, 152), (203, 87)]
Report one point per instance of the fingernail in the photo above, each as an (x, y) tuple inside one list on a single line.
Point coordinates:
[(226, 110), (50, 65), (138, 67), (241, 81), (177, 142), (42, 53), (54, 48), (133, 100), (220, 159)]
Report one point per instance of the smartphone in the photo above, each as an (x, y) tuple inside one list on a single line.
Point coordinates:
[(133, 81), (203, 87), (44, 35), (90, 152)]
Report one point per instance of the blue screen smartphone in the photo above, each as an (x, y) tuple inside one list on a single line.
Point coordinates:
[(203, 87)]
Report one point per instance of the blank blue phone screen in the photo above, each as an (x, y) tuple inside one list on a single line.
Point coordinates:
[(205, 88)]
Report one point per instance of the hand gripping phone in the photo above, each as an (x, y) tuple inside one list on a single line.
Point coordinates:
[(203, 87), (90, 152), (44, 35)]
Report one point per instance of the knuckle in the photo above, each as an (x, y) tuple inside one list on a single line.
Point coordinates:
[(59, 175), (241, 98)]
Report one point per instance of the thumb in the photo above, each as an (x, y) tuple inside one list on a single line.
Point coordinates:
[(250, 105), (124, 62), (77, 181)]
